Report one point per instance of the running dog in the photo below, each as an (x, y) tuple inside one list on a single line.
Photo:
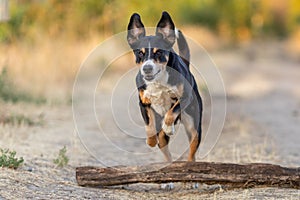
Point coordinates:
[(168, 92)]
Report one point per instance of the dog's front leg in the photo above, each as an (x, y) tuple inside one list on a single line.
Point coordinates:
[(184, 98), (168, 129), (149, 119), (170, 117)]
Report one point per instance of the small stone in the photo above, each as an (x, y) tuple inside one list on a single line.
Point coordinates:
[(167, 186)]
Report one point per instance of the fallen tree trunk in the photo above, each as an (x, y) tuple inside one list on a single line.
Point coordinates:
[(232, 175)]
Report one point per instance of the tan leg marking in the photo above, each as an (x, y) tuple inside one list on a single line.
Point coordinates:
[(144, 100), (150, 129), (152, 141), (163, 145), (162, 140), (193, 145)]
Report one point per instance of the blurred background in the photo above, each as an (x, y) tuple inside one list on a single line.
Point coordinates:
[(253, 44), (43, 42)]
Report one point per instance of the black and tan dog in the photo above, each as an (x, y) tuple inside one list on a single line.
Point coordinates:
[(167, 89)]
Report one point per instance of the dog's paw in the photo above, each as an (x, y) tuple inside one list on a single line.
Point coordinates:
[(167, 186), (151, 141), (169, 130)]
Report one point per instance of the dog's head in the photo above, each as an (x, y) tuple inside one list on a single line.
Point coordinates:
[(151, 52)]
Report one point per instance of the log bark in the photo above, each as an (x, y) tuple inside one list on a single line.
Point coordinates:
[(231, 175)]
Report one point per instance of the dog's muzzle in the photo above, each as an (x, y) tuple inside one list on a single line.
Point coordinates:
[(150, 76), (148, 69)]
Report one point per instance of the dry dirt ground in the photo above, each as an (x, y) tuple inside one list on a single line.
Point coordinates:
[(262, 125)]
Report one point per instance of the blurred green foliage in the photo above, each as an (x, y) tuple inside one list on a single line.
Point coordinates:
[(79, 18)]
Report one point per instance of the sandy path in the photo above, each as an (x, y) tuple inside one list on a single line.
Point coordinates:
[(265, 89)]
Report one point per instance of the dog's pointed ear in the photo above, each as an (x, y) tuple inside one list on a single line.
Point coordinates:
[(166, 29), (135, 30)]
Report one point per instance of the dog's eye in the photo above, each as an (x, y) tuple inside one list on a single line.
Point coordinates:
[(158, 54), (141, 54)]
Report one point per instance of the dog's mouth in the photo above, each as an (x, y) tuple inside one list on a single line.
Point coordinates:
[(150, 77)]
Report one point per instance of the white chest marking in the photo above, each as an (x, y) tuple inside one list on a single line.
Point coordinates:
[(161, 96)]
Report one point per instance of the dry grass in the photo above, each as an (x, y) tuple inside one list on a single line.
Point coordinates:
[(46, 67), (244, 141)]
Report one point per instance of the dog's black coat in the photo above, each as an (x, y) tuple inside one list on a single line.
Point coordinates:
[(177, 70), (191, 100)]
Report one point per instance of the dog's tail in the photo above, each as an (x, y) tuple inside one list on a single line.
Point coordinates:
[(184, 51)]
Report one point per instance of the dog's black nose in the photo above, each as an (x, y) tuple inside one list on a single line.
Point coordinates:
[(148, 69)]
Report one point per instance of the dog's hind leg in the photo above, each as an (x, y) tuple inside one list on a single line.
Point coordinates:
[(194, 144), (193, 135), (163, 141)]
